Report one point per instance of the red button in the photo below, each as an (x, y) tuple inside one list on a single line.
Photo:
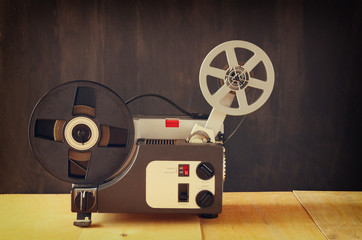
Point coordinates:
[(172, 123), (186, 170)]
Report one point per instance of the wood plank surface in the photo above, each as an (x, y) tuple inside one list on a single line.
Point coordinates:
[(48, 216), (35, 216), (261, 215), (249, 215), (338, 214), (142, 226)]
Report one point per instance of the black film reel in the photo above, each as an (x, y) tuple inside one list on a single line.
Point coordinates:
[(81, 132)]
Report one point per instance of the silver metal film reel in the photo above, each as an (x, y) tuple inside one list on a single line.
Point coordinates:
[(236, 78), (83, 133)]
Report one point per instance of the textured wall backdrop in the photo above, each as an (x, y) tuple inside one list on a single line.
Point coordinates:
[(307, 136)]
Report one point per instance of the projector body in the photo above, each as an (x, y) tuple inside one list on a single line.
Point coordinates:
[(84, 133), (167, 174)]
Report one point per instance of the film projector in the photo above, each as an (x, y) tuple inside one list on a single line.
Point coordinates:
[(83, 133)]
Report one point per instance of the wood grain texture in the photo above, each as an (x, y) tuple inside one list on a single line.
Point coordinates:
[(305, 137), (247, 215), (261, 215), (48, 216), (142, 226), (30, 216), (337, 214)]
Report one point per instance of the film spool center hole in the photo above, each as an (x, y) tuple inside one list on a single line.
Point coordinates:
[(81, 133), (237, 78)]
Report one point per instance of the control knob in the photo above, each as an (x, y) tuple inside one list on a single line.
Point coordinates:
[(205, 171), (84, 201)]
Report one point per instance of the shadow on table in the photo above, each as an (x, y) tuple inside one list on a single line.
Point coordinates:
[(102, 219)]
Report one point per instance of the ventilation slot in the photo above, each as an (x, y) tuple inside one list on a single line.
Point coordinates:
[(160, 141)]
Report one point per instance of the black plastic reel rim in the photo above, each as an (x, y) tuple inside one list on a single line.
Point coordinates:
[(105, 108)]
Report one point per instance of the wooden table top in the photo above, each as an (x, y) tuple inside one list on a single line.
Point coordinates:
[(246, 215), (337, 214)]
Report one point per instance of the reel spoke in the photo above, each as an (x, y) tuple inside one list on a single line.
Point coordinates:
[(221, 93), (256, 83), (252, 62), (56, 154), (102, 164), (241, 97), (231, 57), (216, 72)]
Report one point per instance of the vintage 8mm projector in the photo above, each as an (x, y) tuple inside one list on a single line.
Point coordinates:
[(83, 133)]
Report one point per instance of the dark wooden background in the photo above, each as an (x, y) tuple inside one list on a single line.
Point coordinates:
[(307, 136)]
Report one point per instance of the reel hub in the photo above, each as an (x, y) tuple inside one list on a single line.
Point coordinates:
[(236, 78), (81, 133)]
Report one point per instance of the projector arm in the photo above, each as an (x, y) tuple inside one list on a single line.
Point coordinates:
[(214, 123)]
